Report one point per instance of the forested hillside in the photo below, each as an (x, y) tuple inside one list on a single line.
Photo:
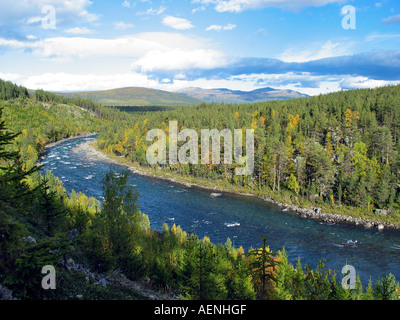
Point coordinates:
[(136, 97), (339, 151), (88, 242), (238, 96)]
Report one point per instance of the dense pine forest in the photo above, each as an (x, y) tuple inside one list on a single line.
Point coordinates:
[(338, 151), (335, 150)]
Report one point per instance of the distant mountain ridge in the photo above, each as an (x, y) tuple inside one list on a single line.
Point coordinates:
[(146, 97), (136, 96), (238, 96)]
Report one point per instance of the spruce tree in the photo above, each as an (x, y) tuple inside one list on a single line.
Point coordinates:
[(262, 267), (15, 199)]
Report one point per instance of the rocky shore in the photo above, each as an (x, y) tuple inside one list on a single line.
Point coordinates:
[(83, 135), (307, 213), (317, 214)]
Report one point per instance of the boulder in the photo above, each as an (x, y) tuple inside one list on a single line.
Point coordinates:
[(369, 225), (103, 282), (317, 210), (381, 212), (215, 195), (6, 294), (29, 239)]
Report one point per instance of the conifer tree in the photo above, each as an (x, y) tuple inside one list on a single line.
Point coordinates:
[(262, 265), (15, 199), (51, 209)]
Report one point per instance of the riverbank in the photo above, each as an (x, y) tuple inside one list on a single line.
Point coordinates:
[(320, 214), (56, 143)]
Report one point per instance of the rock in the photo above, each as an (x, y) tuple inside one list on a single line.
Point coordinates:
[(380, 227), (29, 239), (5, 293), (381, 212), (215, 195), (317, 210), (79, 296), (369, 225), (103, 282)]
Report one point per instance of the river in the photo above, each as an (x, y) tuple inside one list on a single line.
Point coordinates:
[(244, 219)]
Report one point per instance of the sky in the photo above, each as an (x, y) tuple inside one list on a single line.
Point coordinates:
[(311, 46)]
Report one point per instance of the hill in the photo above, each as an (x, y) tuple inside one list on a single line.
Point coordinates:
[(136, 96), (237, 96), (149, 98)]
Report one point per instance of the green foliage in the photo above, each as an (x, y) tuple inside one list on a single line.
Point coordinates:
[(387, 288), (15, 200), (8, 90), (115, 236), (34, 209), (310, 146), (26, 276), (52, 210), (262, 266), (339, 151)]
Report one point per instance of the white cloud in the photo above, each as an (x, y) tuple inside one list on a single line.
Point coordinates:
[(19, 12), (78, 30), (242, 5), (123, 26), (153, 12), (177, 23), (365, 83), (15, 44), (216, 27), (229, 26), (34, 20), (198, 9), (315, 52), (80, 82), (62, 47), (145, 51), (126, 4), (131, 46), (376, 36), (180, 59), (392, 20)]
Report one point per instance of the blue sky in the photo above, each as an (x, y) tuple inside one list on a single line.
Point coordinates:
[(238, 44)]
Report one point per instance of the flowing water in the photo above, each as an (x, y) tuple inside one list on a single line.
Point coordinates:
[(244, 219)]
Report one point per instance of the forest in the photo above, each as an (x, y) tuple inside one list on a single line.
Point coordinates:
[(40, 224), (338, 151)]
